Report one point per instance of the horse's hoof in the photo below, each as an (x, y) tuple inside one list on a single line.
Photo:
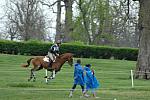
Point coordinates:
[(50, 78)]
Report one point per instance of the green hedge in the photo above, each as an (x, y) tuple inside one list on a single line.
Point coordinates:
[(40, 48)]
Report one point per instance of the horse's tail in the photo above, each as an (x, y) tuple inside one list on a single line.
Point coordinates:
[(28, 63)]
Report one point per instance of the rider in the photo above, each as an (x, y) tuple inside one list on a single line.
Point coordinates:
[(54, 51)]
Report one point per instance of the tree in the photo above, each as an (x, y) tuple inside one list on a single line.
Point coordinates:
[(94, 20), (58, 22), (63, 31), (143, 61), (68, 28), (27, 19), (51, 5), (12, 31), (124, 23)]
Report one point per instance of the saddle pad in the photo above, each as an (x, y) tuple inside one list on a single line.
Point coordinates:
[(46, 59)]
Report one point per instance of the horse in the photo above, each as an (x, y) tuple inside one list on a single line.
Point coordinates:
[(39, 63)]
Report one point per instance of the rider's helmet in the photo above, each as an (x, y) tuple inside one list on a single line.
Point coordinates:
[(58, 42)]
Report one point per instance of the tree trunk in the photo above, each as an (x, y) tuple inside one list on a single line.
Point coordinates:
[(85, 22), (68, 20), (58, 22), (143, 63), (107, 23)]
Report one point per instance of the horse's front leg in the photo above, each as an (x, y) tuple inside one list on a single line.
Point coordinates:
[(52, 76)]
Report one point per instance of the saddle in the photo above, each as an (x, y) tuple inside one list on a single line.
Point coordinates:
[(48, 60)]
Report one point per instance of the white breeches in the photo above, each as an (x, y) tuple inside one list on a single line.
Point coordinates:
[(52, 56)]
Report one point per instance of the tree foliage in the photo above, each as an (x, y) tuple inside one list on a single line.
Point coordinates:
[(99, 22), (92, 17), (104, 22)]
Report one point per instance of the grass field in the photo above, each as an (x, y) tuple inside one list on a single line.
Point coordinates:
[(112, 74)]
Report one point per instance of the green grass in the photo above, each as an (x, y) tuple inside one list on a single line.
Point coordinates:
[(112, 74)]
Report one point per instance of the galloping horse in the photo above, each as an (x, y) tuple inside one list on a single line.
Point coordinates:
[(38, 64)]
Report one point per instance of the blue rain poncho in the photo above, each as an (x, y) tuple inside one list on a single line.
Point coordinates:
[(90, 79), (78, 74)]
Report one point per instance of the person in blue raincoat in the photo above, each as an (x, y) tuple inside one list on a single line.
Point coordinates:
[(90, 80), (78, 77)]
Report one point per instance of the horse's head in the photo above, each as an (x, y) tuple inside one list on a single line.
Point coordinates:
[(70, 61), (68, 57)]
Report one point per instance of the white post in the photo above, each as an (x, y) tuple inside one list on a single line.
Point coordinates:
[(46, 75), (132, 78)]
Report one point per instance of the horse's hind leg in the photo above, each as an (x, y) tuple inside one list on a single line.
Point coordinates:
[(32, 75), (34, 78), (53, 76), (33, 72)]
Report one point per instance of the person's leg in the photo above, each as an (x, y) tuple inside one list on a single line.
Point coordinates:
[(73, 87), (71, 91), (50, 59), (94, 93), (84, 91), (54, 58), (51, 56), (82, 87)]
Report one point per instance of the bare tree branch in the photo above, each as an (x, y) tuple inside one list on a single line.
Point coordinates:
[(26, 18), (49, 5)]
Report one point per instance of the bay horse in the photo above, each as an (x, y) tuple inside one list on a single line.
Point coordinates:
[(38, 64)]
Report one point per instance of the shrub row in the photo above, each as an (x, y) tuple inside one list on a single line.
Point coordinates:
[(24, 48), (39, 48)]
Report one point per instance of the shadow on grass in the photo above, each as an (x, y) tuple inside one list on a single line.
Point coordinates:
[(20, 85), (136, 88)]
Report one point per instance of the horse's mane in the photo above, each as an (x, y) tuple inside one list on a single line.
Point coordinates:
[(62, 55)]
